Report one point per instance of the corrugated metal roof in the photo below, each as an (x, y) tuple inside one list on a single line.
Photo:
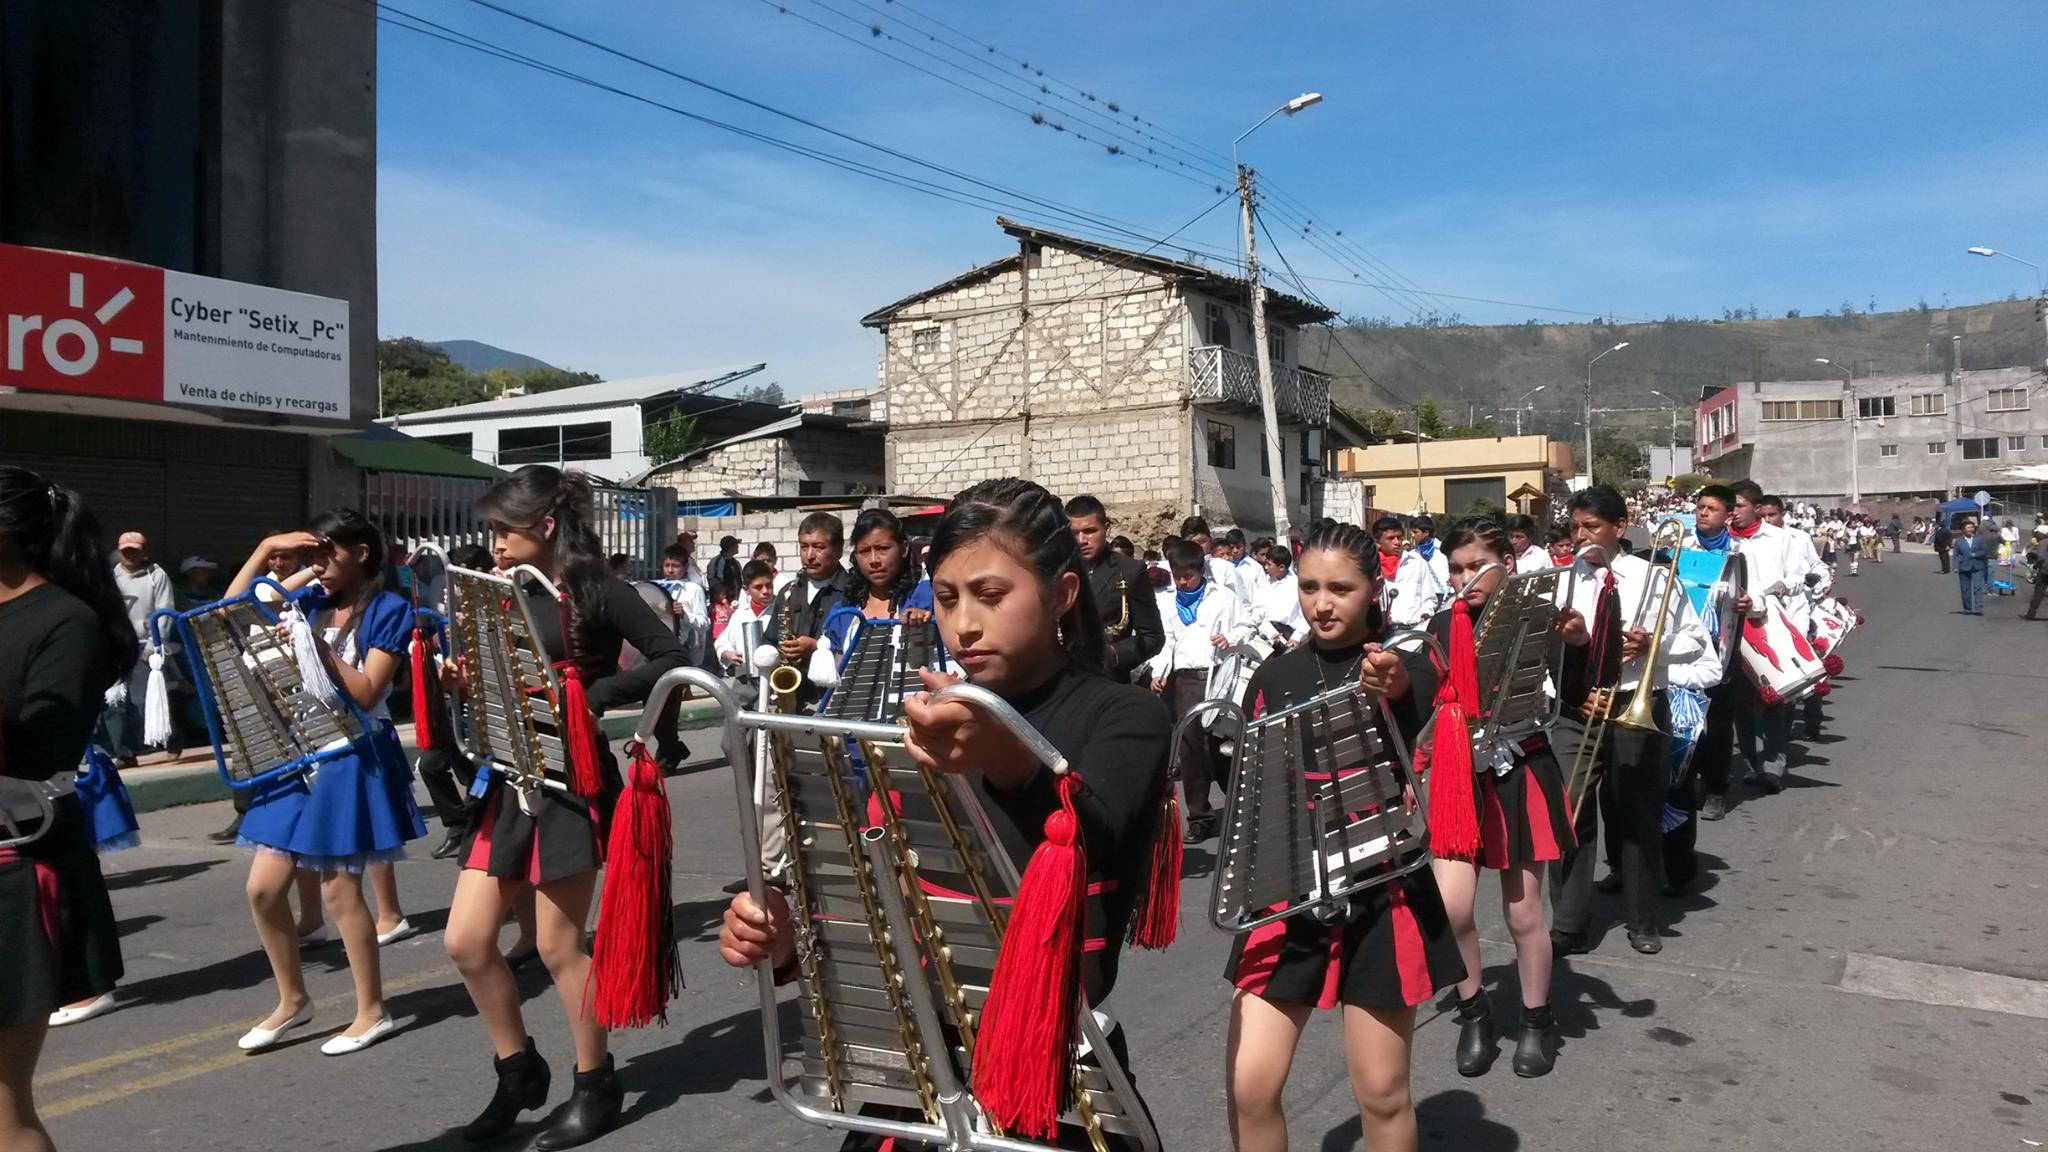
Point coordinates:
[(604, 394)]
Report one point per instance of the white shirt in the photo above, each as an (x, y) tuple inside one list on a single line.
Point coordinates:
[(1534, 558), (1224, 572), (1188, 647), (1686, 644), (1420, 588), (729, 639), (1279, 602), (690, 595)]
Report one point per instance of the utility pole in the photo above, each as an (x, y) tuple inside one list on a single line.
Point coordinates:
[(1420, 503), (1589, 407), (1276, 471)]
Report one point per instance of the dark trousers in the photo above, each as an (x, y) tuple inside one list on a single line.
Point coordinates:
[(1632, 782), (121, 726), (1971, 584), (1717, 743), (1762, 732), (1942, 554), (1200, 763), (447, 773), (2040, 586)]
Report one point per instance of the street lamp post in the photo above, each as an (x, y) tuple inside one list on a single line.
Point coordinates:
[(1523, 403), (1849, 400), (1276, 473), (1672, 460), (2040, 294), (1589, 407)]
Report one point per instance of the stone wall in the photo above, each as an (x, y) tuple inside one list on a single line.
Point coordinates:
[(754, 528), (1122, 455), (841, 462)]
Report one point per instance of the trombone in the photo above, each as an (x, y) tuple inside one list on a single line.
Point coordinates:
[(1668, 538)]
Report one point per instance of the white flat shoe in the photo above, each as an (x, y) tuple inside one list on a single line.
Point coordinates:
[(315, 938), (404, 930), (98, 1006), (257, 1039), (342, 1045)]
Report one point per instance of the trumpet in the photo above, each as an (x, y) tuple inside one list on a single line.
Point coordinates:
[(1639, 715)]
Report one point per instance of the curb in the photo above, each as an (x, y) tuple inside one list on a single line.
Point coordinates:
[(201, 783)]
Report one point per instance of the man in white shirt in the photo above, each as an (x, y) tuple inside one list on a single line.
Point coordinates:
[(1523, 539), (1607, 627), (1774, 573), (1195, 530), (1277, 611), (1422, 581), (1205, 619), (1250, 562)]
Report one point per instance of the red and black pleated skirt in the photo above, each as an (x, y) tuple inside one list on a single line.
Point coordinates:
[(1522, 815), (562, 837), (58, 940), (1395, 952)]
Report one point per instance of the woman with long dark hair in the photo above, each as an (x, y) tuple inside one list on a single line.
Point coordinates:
[(886, 584), (357, 811), (541, 517), (64, 640)]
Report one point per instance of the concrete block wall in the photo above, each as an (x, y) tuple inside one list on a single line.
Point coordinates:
[(842, 462), (754, 528)]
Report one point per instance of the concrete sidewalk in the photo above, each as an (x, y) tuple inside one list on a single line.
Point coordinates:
[(159, 781)]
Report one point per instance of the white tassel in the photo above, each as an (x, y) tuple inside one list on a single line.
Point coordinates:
[(156, 705), (823, 670), (117, 695), (312, 669)]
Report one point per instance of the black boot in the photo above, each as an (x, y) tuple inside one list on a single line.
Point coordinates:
[(1533, 1056), (522, 1084), (1478, 1044), (592, 1110)]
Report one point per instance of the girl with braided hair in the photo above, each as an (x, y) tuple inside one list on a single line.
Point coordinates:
[(1395, 950), (1013, 608), (540, 516)]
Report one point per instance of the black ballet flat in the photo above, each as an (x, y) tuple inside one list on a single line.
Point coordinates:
[(1645, 940), (523, 1080), (593, 1110), (1533, 1054), (1478, 1043), (517, 961)]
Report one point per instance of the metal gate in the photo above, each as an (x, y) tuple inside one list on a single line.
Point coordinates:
[(441, 510)]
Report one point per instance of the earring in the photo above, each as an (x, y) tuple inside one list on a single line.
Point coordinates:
[(1059, 632)]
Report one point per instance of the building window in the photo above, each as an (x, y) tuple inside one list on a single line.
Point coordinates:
[(1222, 444), (587, 441), (1937, 447), (2015, 443), (924, 342), (810, 487), (1875, 407), (1276, 344), (1930, 403), (1980, 448), (1218, 324), (2006, 399), (553, 445), (1265, 461), (1487, 495), (1802, 409), (455, 441), (1887, 451)]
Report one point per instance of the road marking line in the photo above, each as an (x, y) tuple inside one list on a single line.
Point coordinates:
[(1944, 986), (80, 1103), (344, 1002)]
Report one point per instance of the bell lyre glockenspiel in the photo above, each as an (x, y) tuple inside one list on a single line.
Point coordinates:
[(513, 722), (266, 719), (1515, 646), (879, 670), (28, 808), (1322, 804), (900, 893)]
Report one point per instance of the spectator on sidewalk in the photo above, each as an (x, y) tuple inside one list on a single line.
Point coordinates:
[(1944, 540), (1892, 528), (195, 584), (1973, 562), (145, 588)]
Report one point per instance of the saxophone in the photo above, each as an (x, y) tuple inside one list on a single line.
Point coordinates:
[(786, 677), (1113, 630)]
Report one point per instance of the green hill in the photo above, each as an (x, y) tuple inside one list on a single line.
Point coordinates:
[(1483, 369)]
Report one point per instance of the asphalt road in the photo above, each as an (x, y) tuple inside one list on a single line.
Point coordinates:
[(1865, 967)]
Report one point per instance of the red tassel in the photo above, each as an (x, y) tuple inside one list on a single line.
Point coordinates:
[(635, 967), (581, 733), (1767, 696), (1453, 811), (1158, 914), (1026, 1043), (1833, 664), (1823, 688), (1820, 645), (422, 700)]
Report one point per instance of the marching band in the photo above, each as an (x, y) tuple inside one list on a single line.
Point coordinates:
[(957, 806)]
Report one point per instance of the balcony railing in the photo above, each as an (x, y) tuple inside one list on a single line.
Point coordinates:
[(1220, 375)]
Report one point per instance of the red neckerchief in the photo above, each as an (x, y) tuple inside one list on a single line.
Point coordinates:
[(1389, 565), (1742, 534)]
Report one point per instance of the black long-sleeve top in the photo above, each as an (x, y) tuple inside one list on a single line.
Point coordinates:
[(1305, 672), (1123, 593), (623, 618), (54, 671), (1114, 737)]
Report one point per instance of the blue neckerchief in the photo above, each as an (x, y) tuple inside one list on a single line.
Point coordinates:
[(1715, 543), (1185, 602), (1426, 548)]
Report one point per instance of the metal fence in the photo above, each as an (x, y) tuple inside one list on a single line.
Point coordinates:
[(441, 510)]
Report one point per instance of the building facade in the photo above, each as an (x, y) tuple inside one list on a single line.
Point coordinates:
[(233, 139), (1095, 369), (805, 454), (1450, 477), (1927, 435)]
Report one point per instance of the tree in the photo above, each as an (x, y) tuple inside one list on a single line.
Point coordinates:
[(1429, 420), (1617, 457), (763, 394), (1690, 482), (670, 438), (550, 379)]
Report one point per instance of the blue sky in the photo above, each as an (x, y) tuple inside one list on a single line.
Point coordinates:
[(1639, 160)]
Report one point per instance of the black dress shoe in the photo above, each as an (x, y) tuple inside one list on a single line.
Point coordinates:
[(1771, 784), (1713, 807), (1478, 1044), (592, 1110), (227, 835), (1567, 943), (1645, 940), (522, 1084), (1609, 884), (1533, 1054), (450, 844), (1199, 831)]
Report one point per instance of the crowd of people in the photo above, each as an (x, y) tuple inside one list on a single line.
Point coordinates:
[(1102, 646)]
